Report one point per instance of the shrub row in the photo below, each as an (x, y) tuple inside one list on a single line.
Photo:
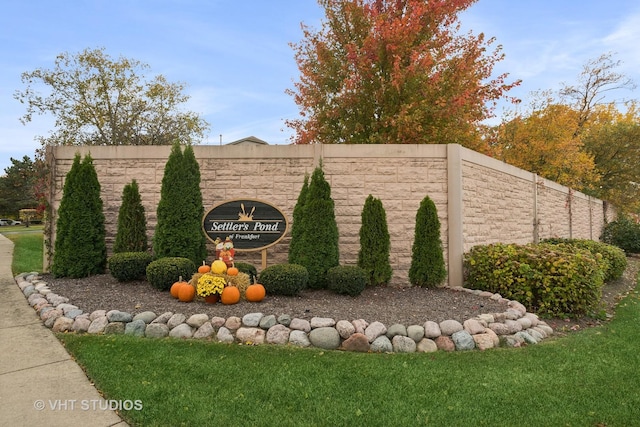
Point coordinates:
[(126, 266), (291, 279), (551, 279), (623, 233)]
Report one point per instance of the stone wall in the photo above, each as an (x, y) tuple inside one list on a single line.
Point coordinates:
[(479, 200)]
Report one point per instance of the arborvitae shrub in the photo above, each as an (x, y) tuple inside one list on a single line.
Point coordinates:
[(164, 272), (80, 248), (127, 266), (131, 235), (373, 256), (284, 279), (427, 259), (347, 279), (296, 245), (320, 231), (180, 210), (249, 269)]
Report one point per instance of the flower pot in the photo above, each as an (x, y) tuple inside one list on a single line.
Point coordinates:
[(212, 299)]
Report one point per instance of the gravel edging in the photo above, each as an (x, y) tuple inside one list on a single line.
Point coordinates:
[(514, 327)]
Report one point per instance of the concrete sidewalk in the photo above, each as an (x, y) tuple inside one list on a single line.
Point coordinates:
[(40, 384)]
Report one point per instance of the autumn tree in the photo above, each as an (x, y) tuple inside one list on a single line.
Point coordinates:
[(394, 71), (98, 100)]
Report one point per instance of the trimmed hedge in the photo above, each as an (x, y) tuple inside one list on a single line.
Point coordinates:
[(554, 280), (347, 279), (249, 269), (164, 272), (127, 266), (284, 279)]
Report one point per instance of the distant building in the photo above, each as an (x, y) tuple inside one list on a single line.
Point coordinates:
[(250, 140)]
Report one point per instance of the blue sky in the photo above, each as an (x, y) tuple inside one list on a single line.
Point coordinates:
[(235, 59)]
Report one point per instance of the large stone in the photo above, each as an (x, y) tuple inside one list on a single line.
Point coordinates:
[(513, 326), (81, 324), (473, 326), (284, 319), (525, 322), (233, 323), (326, 338), (299, 339), (268, 321), (445, 343), (450, 327), (382, 344), (225, 335), (146, 316), (181, 331), (98, 324), (163, 318), (533, 318), (360, 325), (484, 341), (62, 324), (98, 313), (431, 329), (204, 331), (357, 342), (499, 328), (535, 334), (426, 345), (116, 328), (526, 337), (463, 341), (518, 307), (246, 335), (135, 328), (396, 329), (486, 318), (197, 320), (415, 332), (156, 330), (218, 322), (175, 320), (300, 324), (402, 344), (322, 322), (252, 320), (119, 316), (345, 329), (278, 334), (374, 330)]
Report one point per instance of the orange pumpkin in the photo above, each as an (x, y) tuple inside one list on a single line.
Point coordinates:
[(232, 271), (175, 288), (186, 293), (255, 293), (204, 268), (230, 295)]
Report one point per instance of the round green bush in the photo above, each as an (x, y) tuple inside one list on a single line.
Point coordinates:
[(127, 266), (249, 269), (284, 279), (164, 272), (347, 279)]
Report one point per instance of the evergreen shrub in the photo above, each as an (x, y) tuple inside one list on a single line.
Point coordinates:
[(623, 233), (427, 259), (347, 280), (248, 269), (131, 234), (164, 272), (284, 279), (296, 245), (127, 266), (373, 256)]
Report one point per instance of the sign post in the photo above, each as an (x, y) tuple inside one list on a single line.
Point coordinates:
[(252, 225)]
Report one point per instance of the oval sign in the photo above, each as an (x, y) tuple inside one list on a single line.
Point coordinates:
[(252, 225)]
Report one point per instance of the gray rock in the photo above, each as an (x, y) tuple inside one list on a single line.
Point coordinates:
[(486, 318), (299, 339), (450, 327), (535, 334), (402, 344), (62, 324), (345, 329), (325, 337), (225, 335), (525, 322), (499, 328), (533, 318), (218, 322), (374, 330), (98, 313), (146, 316), (81, 324), (115, 328), (463, 341), (396, 329), (135, 328), (98, 324), (431, 329), (268, 321), (35, 298), (250, 335), (51, 320), (360, 325), (322, 322), (513, 326), (30, 290), (197, 320), (415, 332), (175, 320), (527, 337), (540, 331), (300, 325), (156, 330), (181, 331), (382, 344), (357, 342), (119, 316), (546, 328), (518, 307), (204, 331), (72, 314), (284, 319), (278, 334), (163, 318), (66, 307), (512, 341), (426, 345), (252, 320)]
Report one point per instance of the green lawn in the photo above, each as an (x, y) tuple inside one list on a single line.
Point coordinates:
[(28, 248)]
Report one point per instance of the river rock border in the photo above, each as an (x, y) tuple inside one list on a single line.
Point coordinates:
[(512, 328)]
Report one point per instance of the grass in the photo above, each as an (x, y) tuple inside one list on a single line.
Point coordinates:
[(27, 249), (586, 379)]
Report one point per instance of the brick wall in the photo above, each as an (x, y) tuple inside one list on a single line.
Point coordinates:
[(479, 200)]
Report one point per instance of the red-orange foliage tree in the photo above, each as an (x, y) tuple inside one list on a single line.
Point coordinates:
[(394, 71)]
